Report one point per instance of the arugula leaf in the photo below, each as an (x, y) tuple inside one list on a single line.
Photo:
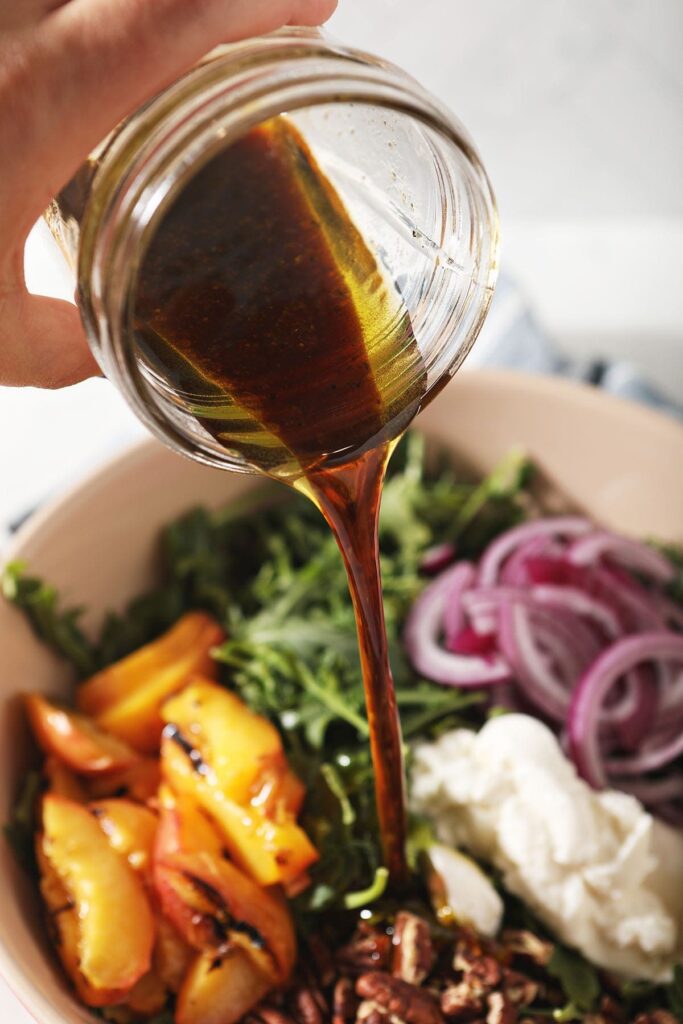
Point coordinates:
[(578, 978), (356, 900), (58, 628), (339, 815), (568, 1013), (20, 829), (504, 483)]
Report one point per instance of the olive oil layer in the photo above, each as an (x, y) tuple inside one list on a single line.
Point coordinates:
[(264, 311)]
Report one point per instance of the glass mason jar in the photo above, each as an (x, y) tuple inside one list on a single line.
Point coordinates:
[(401, 164)]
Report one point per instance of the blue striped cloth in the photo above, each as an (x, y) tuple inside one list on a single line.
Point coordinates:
[(512, 339)]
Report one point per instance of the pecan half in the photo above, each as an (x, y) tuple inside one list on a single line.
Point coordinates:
[(270, 1015), (370, 1013), (308, 1006), (458, 1002), (485, 973), (406, 1002), (500, 1010), (528, 945), (344, 1002), (520, 990), (480, 974), (468, 948), (611, 1011), (321, 960), (414, 954), (367, 951)]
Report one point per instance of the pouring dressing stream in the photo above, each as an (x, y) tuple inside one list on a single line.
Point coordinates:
[(282, 341)]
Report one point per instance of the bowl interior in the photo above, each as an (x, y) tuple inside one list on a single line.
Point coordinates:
[(98, 545)]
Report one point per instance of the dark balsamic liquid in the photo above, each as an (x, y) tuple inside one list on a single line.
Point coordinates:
[(263, 314)]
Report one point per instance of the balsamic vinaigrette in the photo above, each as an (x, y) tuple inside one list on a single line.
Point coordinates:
[(263, 313)]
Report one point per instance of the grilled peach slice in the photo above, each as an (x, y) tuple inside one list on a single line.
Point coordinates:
[(172, 955), (221, 990), (75, 740), (130, 829), (64, 927), (209, 900), (148, 996), (282, 792), (183, 827), (62, 781), (211, 903), (140, 782), (271, 851), (115, 928), (237, 745), (124, 699)]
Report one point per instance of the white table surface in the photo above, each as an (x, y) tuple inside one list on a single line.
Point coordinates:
[(577, 110)]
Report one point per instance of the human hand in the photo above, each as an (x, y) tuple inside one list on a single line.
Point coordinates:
[(69, 72)]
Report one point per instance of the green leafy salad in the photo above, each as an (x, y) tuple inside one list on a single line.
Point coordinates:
[(268, 569)]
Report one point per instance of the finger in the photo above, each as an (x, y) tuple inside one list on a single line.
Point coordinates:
[(313, 12), (95, 61), (42, 343)]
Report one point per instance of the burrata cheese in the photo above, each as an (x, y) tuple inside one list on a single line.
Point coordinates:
[(596, 868)]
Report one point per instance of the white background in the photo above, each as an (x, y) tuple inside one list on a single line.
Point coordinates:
[(577, 108)]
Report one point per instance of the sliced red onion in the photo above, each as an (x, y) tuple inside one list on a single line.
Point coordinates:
[(531, 624), (672, 613), (481, 611), (670, 812), (624, 551), (652, 791), (497, 552), (557, 638), (423, 631), (484, 621), (519, 644), (469, 641), (593, 688), (573, 600), (634, 716), (515, 571), (671, 693), (437, 558), (636, 605), (556, 569), (481, 606), (456, 582), (669, 710), (659, 755), (622, 594)]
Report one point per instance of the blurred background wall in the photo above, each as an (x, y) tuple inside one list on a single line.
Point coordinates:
[(577, 108)]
